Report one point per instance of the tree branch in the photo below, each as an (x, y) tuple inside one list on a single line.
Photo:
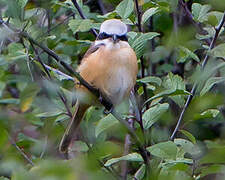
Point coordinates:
[(20, 151), (203, 64), (140, 29), (82, 15)]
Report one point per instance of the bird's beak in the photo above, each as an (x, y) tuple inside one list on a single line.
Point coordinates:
[(114, 38)]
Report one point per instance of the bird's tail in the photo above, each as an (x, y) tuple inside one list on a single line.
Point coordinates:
[(72, 126)]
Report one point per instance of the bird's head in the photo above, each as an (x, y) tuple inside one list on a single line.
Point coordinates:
[(114, 29)]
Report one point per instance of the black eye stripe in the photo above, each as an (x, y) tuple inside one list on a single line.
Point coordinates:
[(105, 36)]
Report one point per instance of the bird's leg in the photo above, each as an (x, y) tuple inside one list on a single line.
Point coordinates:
[(108, 111)]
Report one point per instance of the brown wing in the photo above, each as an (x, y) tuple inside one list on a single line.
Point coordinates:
[(92, 49)]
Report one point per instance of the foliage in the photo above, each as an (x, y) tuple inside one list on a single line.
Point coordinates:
[(171, 40)]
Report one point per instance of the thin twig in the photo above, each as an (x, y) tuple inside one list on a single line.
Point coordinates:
[(140, 29), (60, 94), (20, 151), (44, 147), (66, 76), (82, 15), (127, 145), (142, 150), (138, 16), (102, 7), (203, 64), (53, 27)]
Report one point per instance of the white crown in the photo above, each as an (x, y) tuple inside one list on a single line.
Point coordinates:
[(113, 26)]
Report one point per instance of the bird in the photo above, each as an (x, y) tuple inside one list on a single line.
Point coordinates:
[(109, 65)]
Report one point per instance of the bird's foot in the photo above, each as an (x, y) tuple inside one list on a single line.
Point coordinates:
[(106, 111)]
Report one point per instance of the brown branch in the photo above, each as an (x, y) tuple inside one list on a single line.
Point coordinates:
[(142, 150), (140, 29), (203, 64), (82, 15), (20, 151)]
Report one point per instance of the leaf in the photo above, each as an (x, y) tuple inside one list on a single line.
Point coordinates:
[(189, 136), (49, 114), (2, 87), (140, 42), (170, 92), (210, 83), (125, 8), (164, 150), (80, 25), (212, 169), (9, 101), (16, 51), (27, 96), (147, 14), (22, 3), (153, 114), (105, 123), (210, 113), (200, 12), (186, 145), (140, 172), (130, 157), (151, 79), (79, 146), (219, 51), (186, 54), (178, 161), (174, 82), (3, 178)]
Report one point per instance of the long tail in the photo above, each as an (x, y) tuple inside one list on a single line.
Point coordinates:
[(72, 127)]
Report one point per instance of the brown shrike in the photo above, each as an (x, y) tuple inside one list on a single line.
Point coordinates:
[(109, 65)]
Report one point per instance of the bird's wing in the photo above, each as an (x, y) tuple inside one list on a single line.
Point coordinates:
[(93, 49)]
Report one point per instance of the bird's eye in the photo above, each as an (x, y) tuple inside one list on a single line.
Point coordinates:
[(103, 35), (123, 38)]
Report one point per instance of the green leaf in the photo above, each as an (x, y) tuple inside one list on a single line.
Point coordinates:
[(186, 145), (16, 52), (80, 25), (130, 157), (79, 146), (170, 92), (210, 113), (22, 3), (212, 169), (186, 54), (2, 87), (3, 178), (153, 114), (219, 51), (105, 123), (62, 118), (140, 42), (9, 101), (150, 12), (125, 8), (174, 82), (164, 150), (27, 96), (189, 136), (151, 79), (200, 12), (178, 161), (210, 83), (49, 114), (140, 172)]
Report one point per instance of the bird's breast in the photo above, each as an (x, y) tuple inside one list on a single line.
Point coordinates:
[(112, 71)]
